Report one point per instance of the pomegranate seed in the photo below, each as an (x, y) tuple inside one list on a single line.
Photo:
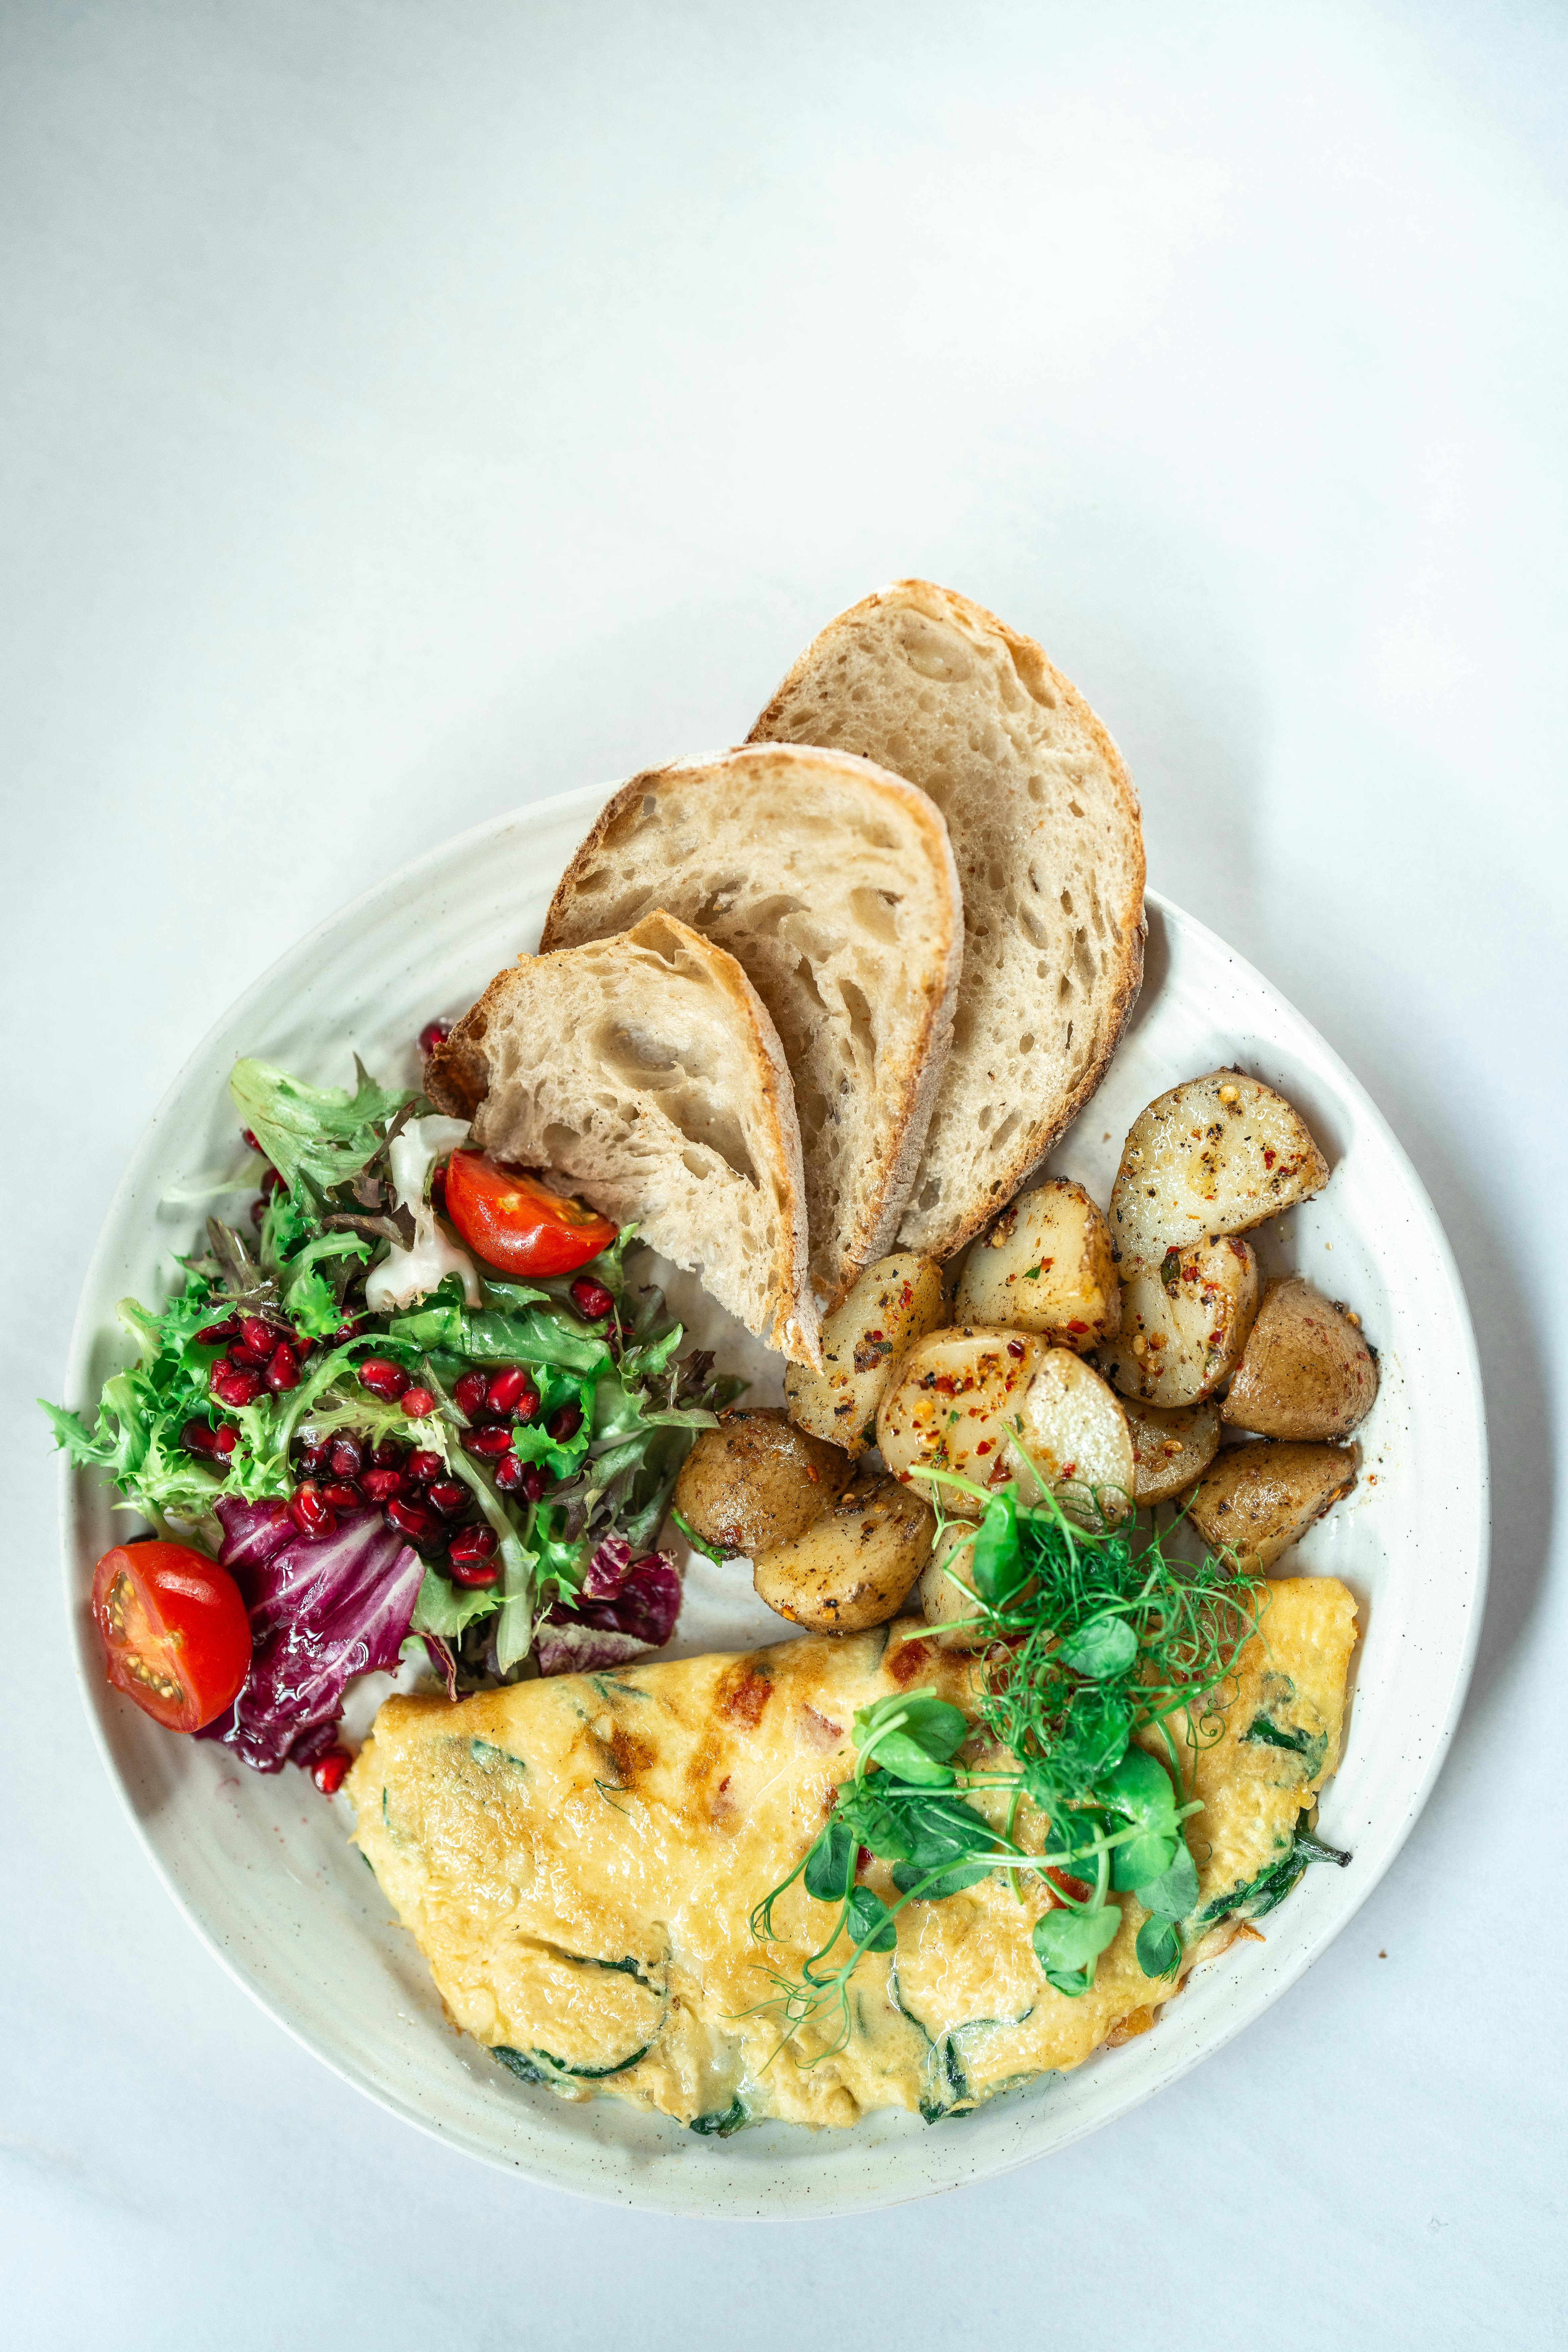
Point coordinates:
[(283, 1371), (249, 1140), (488, 1443), (270, 1183), (258, 1211), (380, 1486), (433, 1034), (472, 1543), (343, 1494), (234, 1389), (418, 1403), (438, 1190), (473, 1572), (512, 1392), (244, 1360), (225, 1440), (591, 1298), (424, 1466), (382, 1378), (310, 1512), (312, 1456), (448, 1496), (347, 1456), (217, 1334), (471, 1395), (258, 1335), (328, 1771), (510, 1473), (388, 1455), (531, 1485), (349, 1328), (411, 1521), (564, 1423), (196, 1438)]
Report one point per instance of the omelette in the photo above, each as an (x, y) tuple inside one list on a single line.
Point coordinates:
[(578, 1859)]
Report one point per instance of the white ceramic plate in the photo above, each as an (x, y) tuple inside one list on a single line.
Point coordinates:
[(261, 1867)]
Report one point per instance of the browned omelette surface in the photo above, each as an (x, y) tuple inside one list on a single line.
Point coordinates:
[(578, 1859)]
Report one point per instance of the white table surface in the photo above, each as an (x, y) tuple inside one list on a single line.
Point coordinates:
[(410, 409)]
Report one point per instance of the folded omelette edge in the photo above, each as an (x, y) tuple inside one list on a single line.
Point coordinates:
[(578, 1859)]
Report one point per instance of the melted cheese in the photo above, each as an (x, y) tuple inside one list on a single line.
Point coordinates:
[(578, 1858)]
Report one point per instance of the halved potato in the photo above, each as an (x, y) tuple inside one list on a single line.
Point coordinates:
[(1218, 1155), (947, 1588), (1172, 1445), (1184, 1323), (1045, 1265), (1073, 1438), (857, 1566), (894, 1302), (1306, 1372), (950, 1406), (756, 1481), (1258, 1500)]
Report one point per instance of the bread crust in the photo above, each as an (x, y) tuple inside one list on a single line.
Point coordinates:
[(457, 1065), (837, 1260), (955, 1222)]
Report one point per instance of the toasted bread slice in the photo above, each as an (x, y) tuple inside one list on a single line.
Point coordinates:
[(644, 1069), (833, 886), (1045, 827)]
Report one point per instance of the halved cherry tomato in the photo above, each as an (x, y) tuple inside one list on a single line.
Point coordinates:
[(174, 1632), (515, 1223)]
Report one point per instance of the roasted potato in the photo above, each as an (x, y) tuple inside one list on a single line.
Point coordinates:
[(894, 1302), (1306, 1372), (950, 1406), (1218, 1155), (1073, 1438), (947, 1587), (1172, 1445), (1258, 1500), (1184, 1323), (756, 1481), (1045, 1265), (859, 1563)]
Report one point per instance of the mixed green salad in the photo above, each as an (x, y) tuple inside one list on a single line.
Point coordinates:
[(382, 1435)]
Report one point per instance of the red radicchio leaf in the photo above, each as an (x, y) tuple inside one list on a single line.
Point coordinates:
[(628, 1602), (321, 1613)]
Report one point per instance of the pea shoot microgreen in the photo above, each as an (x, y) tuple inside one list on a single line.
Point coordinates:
[(1092, 1644)]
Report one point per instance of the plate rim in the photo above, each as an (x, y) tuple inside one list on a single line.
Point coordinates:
[(643, 2194)]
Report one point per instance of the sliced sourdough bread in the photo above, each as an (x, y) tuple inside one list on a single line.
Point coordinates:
[(833, 886), (645, 1070), (1045, 827)]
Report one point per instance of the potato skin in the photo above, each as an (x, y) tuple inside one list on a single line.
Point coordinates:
[(1046, 1265), (1192, 1313), (857, 1566), (894, 1302), (1217, 1155), (1306, 1372), (1172, 1445), (1258, 1500), (757, 1481), (950, 1404), (953, 1606)]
